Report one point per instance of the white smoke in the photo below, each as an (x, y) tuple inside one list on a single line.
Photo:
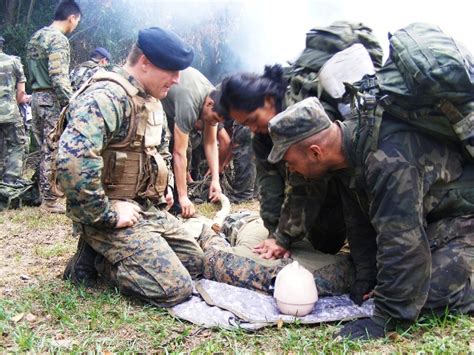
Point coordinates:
[(270, 31)]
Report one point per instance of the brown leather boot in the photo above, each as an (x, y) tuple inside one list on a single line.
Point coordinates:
[(80, 269), (53, 206)]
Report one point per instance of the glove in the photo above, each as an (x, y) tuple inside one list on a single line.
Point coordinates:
[(360, 288), (362, 329)]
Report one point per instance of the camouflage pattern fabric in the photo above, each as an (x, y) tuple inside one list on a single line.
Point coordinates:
[(48, 57), (238, 180), (232, 261), (45, 110), (13, 143), (290, 205), (396, 206), (83, 72), (153, 260), (12, 132), (11, 73)]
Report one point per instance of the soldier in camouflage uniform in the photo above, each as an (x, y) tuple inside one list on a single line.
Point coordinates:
[(238, 179), (113, 164), (408, 206), (48, 57), (291, 207), (12, 129), (232, 261), (99, 58)]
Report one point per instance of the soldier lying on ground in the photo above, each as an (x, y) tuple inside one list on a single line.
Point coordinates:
[(230, 258)]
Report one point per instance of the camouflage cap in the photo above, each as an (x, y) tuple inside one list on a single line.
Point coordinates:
[(297, 122)]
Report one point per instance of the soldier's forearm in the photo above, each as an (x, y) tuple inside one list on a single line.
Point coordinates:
[(180, 163)]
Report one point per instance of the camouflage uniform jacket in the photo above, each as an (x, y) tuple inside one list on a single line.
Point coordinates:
[(284, 196), (11, 73), (83, 72), (48, 57), (395, 190), (97, 117)]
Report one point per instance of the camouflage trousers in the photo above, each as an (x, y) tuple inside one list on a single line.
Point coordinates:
[(238, 180), (232, 261), (13, 144), (155, 260), (45, 110), (452, 264)]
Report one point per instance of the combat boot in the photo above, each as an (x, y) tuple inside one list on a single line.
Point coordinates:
[(80, 269), (53, 206)]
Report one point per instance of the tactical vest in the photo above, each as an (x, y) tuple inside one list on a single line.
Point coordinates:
[(133, 168)]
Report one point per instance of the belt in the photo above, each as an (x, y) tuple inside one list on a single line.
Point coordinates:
[(42, 89)]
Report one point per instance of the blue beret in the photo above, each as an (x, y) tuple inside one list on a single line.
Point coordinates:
[(165, 49), (102, 52)]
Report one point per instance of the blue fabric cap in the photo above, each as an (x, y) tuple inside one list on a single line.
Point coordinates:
[(165, 49), (102, 52), (2, 40)]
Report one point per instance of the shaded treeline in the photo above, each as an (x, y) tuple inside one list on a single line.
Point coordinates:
[(114, 24)]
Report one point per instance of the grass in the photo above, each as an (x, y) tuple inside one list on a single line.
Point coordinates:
[(46, 314)]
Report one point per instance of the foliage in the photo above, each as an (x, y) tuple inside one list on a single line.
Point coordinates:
[(115, 24), (41, 313)]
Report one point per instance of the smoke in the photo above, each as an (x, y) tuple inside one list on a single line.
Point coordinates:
[(266, 31)]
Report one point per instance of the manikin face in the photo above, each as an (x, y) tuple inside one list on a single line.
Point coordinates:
[(310, 162), (258, 119), (158, 82)]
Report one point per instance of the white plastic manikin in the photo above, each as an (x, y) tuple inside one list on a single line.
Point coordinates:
[(295, 290)]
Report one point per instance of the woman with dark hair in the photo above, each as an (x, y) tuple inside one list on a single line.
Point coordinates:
[(290, 206)]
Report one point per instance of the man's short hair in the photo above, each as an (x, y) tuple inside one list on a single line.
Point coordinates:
[(215, 95), (66, 9), (134, 54)]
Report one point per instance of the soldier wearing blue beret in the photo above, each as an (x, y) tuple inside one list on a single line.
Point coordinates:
[(98, 59), (113, 164)]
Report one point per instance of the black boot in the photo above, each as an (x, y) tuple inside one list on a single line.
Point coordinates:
[(80, 269)]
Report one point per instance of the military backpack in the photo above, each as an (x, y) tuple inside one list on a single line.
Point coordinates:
[(427, 81), (321, 44)]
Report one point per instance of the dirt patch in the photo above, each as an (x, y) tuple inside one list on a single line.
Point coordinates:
[(33, 244)]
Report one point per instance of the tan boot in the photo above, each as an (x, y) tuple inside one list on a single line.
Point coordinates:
[(53, 206)]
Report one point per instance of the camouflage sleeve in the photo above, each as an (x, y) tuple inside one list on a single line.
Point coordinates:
[(360, 235), (164, 150), (271, 183), (395, 186), (58, 69), (92, 119), (303, 200), (19, 73)]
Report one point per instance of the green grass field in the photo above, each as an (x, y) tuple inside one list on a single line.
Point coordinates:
[(41, 313)]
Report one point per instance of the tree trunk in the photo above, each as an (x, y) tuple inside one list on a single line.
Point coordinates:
[(30, 13), (10, 12), (18, 12)]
